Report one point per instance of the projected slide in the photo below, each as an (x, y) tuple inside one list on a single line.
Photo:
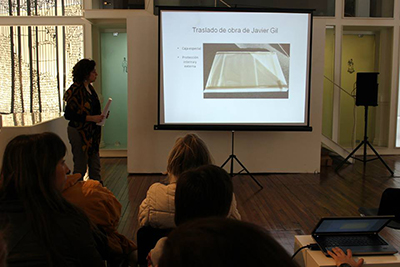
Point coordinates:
[(234, 68), (246, 70)]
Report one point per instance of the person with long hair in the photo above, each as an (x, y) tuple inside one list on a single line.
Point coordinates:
[(202, 192), (83, 111), (158, 208), (40, 227)]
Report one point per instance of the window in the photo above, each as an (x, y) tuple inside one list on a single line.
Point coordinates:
[(369, 8), (35, 66), (41, 8)]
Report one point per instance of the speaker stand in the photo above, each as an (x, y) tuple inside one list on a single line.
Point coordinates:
[(233, 157), (366, 143)]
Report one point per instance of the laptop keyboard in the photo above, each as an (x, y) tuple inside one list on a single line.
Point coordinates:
[(336, 241)]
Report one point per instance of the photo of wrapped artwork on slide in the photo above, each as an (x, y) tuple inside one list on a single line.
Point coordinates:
[(246, 70)]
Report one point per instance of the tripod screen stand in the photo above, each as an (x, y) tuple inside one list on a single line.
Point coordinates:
[(233, 157), (366, 143)]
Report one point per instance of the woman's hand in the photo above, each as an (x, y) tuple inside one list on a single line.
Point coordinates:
[(341, 258), (95, 118)]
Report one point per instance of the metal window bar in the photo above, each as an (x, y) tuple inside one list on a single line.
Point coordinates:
[(28, 7), (12, 69), (21, 84), (30, 48), (64, 61), (58, 71), (37, 69)]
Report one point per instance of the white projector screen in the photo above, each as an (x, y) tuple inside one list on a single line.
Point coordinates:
[(234, 69)]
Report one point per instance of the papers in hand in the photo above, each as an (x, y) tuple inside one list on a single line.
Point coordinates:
[(105, 112)]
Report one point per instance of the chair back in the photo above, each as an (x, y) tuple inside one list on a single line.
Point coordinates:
[(389, 205), (147, 238)]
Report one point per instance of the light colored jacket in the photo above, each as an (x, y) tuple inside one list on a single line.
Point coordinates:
[(101, 206), (158, 208)]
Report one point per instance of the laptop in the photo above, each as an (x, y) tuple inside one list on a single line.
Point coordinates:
[(360, 234)]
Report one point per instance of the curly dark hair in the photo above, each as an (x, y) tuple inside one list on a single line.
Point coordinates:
[(82, 70)]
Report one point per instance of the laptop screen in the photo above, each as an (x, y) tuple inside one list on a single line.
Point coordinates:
[(350, 225)]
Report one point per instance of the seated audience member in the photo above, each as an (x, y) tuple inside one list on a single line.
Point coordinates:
[(222, 242), (158, 208), (43, 229), (202, 192), (104, 210), (344, 260)]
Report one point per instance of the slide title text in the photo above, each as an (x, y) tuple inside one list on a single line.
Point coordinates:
[(271, 30)]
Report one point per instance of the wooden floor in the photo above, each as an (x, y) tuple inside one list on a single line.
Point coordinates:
[(289, 204)]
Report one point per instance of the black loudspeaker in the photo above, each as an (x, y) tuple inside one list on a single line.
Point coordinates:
[(367, 89)]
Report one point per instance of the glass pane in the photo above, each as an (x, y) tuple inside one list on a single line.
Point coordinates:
[(114, 74), (36, 64), (327, 116), (321, 7), (5, 69), (328, 10), (118, 4), (369, 8), (41, 8)]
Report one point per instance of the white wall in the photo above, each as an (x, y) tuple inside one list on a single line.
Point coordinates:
[(282, 152), (58, 126)]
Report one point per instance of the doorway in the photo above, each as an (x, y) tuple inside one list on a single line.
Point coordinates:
[(114, 79)]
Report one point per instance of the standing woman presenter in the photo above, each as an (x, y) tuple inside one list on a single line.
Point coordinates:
[(83, 112)]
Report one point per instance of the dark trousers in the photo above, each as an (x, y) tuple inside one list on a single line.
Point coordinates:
[(81, 160)]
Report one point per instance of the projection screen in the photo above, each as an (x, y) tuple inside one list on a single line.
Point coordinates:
[(234, 69)]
